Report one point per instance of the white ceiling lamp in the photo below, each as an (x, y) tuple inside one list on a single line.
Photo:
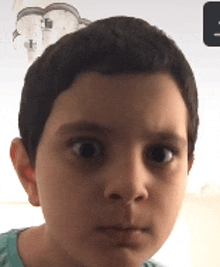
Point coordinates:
[(37, 28)]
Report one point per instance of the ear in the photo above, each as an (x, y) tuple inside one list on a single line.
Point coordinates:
[(190, 163), (24, 171)]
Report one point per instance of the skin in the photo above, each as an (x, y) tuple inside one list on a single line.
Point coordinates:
[(122, 183)]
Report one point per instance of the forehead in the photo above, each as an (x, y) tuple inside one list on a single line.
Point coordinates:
[(93, 89), (129, 102)]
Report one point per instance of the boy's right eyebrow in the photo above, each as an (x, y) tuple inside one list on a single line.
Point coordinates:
[(93, 127), (86, 126)]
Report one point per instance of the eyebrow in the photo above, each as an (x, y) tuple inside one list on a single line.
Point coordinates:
[(92, 127), (83, 126)]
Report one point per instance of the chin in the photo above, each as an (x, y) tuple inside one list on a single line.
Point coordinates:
[(120, 257)]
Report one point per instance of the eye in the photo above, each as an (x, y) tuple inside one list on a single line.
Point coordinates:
[(87, 149), (161, 154)]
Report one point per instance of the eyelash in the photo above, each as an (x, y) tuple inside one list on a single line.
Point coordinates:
[(152, 149)]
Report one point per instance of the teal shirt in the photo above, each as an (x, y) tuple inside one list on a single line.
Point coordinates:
[(8, 249), (9, 255)]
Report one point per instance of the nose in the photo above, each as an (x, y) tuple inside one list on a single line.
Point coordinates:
[(127, 180)]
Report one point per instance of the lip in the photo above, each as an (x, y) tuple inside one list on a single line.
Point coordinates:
[(124, 236), (122, 228)]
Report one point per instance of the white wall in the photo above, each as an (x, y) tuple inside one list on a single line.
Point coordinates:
[(203, 217)]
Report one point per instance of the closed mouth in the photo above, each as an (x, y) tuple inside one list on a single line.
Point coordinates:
[(115, 228), (124, 237)]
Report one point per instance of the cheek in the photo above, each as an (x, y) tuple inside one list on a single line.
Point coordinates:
[(175, 190), (62, 187), (167, 200)]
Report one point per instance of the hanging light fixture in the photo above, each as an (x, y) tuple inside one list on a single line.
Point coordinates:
[(37, 28)]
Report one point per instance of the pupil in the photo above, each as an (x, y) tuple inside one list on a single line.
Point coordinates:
[(87, 150), (158, 154)]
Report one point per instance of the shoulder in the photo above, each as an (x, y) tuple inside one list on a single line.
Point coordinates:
[(8, 249)]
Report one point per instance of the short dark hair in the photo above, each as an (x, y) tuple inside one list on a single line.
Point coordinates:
[(113, 45)]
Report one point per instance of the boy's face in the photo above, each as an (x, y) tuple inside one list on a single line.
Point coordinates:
[(134, 174)]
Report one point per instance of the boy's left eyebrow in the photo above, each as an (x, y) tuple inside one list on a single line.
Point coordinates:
[(93, 127), (168, 137)]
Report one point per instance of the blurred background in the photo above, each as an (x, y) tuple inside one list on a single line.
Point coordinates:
[(195, 240)]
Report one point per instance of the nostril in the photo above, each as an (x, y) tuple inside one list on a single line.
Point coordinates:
[(139, 198), (115, 196)]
